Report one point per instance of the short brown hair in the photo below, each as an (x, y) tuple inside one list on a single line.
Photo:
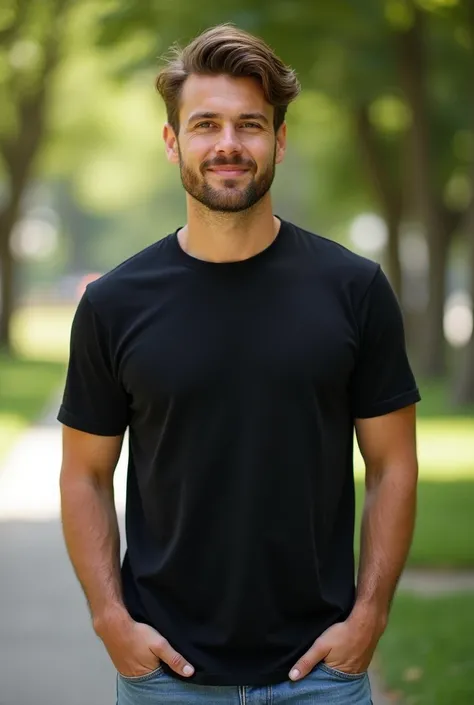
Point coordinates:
[(225, 49)]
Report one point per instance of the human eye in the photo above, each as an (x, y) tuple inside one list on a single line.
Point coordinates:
[(251, 125), (204, 125)]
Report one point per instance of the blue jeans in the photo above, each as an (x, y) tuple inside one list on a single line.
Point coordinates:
[(323, 686)]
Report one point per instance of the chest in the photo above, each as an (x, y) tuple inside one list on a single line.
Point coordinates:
[(221, 336)]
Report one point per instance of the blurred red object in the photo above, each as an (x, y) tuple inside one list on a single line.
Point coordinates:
[(84, 281)]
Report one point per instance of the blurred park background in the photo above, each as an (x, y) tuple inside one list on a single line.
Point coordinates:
[(381, 159)]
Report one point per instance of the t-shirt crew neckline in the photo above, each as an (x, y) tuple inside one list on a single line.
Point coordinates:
[(258, 258)]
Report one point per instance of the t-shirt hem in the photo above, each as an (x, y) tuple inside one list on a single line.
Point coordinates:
[(393, 404), (250, 679), (68, 419)]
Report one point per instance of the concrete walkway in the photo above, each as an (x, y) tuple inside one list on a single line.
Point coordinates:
[(48, 652)]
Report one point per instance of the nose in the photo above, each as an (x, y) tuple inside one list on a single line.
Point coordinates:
[(228, 142)]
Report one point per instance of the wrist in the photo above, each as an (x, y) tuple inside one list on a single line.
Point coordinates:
[(369, 616), (110, 619)]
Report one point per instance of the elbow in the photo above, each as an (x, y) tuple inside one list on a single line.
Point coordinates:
[(396, 474), (73, 478)]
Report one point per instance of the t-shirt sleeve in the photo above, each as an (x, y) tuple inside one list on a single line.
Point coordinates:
[(94, 400), (382, 380)]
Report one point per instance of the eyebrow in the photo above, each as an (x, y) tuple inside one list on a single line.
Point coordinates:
[(219, 116)]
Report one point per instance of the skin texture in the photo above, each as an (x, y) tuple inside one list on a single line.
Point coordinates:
[(230, 218)]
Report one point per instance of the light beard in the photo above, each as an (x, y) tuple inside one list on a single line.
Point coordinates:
[(230, 198)]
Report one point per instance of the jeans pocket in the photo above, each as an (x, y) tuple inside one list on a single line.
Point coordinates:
[(341, 674), (146, 676)]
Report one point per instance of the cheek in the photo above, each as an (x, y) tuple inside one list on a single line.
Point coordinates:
[(198, 151), (263, 155), (261, 146)]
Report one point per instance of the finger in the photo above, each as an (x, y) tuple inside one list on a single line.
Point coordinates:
[(165, 652), (308, 661)]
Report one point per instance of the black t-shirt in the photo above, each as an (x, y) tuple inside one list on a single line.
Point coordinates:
[(239, 383)]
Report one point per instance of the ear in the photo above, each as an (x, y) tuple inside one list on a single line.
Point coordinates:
[(171, 144), (280, 143)]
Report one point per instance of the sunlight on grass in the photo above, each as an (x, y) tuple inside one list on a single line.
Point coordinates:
[(25, 388), (42, 332), (41, 340), (445, 522), (445, 449)]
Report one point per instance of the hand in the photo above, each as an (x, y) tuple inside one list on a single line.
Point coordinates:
[(346, 646), (137, 649)]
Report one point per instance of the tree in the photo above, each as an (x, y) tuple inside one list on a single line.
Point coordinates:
[(363, 55), (411, 164), (30, 39), (463, 389), (304, 35)]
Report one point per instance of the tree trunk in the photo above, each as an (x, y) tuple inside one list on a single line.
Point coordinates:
[(413, 82), (19, 151), (463, 389), (19, 172), (393, 251), (433, 353), (8, 217), (6, 295), (386, 191), (463, 393)]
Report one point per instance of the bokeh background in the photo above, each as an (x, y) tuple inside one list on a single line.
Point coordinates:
[(381, 159)]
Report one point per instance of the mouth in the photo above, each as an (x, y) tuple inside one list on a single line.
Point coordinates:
[(228, 172)]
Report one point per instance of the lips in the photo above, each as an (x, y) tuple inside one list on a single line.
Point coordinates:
[(228, 171)]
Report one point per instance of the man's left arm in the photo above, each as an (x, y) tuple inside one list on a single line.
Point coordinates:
[(388, 447)]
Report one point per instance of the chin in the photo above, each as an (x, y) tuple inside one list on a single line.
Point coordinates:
[(227, 207)]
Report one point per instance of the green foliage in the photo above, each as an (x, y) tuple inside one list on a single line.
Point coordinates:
[(28, 51), (436, 404), (106, 124), (105, 119)]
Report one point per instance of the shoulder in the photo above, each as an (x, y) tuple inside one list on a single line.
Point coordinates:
[(127, 278), (338, 264)]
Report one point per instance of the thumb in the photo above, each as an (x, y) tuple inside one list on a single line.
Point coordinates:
[(165, 652), (318, 651)]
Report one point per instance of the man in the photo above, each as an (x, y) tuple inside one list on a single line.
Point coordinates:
[(240, 352)]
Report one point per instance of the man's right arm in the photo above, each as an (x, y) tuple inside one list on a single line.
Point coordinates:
[(89, 519), (92, 538)]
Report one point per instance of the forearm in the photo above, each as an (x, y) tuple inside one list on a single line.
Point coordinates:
[(386, 534), (93, 542)]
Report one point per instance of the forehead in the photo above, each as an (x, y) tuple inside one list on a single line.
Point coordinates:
[(222, 94)]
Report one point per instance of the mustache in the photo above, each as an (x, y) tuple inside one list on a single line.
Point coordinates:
[(227, 161)]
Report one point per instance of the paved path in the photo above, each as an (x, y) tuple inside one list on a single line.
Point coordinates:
[(48, 652)]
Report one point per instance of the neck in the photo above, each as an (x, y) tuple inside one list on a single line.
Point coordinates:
[(228, 237)]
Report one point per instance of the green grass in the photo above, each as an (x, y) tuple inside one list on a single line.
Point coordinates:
[(444, 526), (427, 654), (41, 339), (445, 449), (25, 386), (445, 517)]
